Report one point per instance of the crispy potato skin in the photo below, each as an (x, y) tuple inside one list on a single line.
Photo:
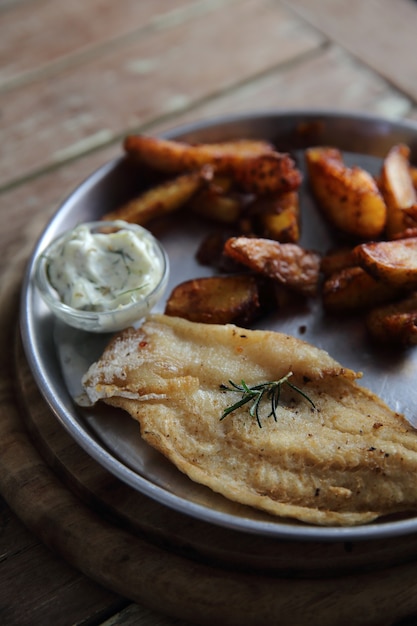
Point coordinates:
[(266, 173), (391, 262), (216, 300), (288, 264), (353, 289), (217, 181), (218, 201), (348, 197), (395, 323), (337, 260), (413, 174), (276, 216), (398, 191), (161, 200), (174, 157), (254, 165), (210, 252), (249, 185)]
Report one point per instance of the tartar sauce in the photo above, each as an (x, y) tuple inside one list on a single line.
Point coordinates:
[(103, 271)]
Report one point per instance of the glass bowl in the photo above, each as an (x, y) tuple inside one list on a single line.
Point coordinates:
[(141, 299)]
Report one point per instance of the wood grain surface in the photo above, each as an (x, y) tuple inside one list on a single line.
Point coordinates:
[(138, 550), (77, 547)]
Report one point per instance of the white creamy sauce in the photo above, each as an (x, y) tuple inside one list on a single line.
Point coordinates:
[(103, 271)]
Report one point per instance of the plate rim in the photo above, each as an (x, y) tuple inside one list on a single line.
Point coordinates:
[(279, 528)]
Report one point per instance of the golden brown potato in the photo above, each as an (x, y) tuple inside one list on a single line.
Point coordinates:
[(266, 173), (398, 191), (210, 253), (391, 262), (337, 260), (218, 201), (353, 289), (246, 226), (277, 216), (287, 263), (254, 165), (395, 323), (413, 174), (348, 197), (160, 200), (406, 234), (216, 300), (172, 156)]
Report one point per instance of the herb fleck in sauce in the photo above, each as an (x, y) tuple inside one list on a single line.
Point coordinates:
[(103, 271)]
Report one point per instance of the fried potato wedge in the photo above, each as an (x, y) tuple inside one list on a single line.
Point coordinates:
[(406, 234), (253, 164), (413, 174), (287, 263), (173, 157), (277, 216), (398, 191), (162, 199), (266, 173), (391, 262), (218, 202), (352, 289), (348, 197), (218, 207), (216, 300), (337, 260), (394, 324), (210, 253)]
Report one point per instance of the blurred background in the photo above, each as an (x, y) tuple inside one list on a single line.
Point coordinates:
[(76, 77)]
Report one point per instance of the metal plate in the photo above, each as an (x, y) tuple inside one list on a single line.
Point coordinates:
[(59, 356)]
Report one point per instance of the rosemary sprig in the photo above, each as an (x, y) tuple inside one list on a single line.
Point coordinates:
[(270, 390)]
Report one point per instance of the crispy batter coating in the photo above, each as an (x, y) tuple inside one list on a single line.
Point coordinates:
[(347, 461)]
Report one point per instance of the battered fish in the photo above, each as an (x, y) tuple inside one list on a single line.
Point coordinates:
[(334, 456)]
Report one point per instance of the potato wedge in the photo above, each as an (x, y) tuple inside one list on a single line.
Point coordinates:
[(398, 191), (413, 174), (391, 262), (210, 253), (218, 202), (348, 197), (287, 263), (406, 234), (173, 157), (394, 324), (255, 166), (266, 173), (277, 216), (337, 260), (217, 207), (216, 300), (160, 200), (352, 289)]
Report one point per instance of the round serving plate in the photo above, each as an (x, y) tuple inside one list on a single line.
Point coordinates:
[(58, 356)]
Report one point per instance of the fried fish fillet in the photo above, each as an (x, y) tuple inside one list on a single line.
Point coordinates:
[(344, 461)]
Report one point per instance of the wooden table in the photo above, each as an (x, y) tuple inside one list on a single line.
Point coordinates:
[(75, 78)]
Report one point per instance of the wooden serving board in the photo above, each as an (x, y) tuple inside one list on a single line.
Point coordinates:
[(163, 559)]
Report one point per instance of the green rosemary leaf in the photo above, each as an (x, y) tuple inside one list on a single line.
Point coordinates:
[(254, 410), (232, 408), (257, 393), (301, 392)]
